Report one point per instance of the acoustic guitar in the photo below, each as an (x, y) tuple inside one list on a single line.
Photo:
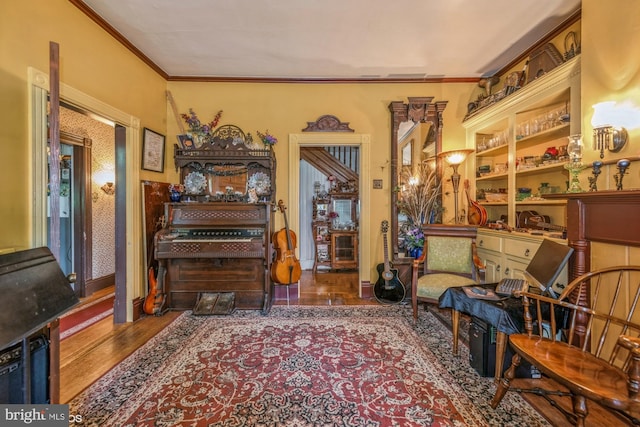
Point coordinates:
[(388, 289), (477, 213), (286, 268)]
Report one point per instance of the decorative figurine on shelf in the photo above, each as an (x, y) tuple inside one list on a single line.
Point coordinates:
[(551, 153), (597, 164), (175, 192), (332, 183), (622, 164)]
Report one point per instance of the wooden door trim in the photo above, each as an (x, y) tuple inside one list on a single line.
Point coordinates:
[(82, 224)]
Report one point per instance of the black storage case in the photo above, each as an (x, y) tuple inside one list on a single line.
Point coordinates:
[(12, 374), (482, 352), (35, 292)]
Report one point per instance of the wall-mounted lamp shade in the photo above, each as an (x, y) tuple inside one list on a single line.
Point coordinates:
[(603, 114), (101, 177), (617, 115)]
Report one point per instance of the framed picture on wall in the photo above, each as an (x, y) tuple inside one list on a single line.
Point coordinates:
[(152, 151)]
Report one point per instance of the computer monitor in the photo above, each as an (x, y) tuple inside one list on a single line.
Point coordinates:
[(546, 265)]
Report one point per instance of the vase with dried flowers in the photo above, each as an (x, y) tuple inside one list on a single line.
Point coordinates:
[(200, 132), (413, 239), (267, 139), (418, 199)]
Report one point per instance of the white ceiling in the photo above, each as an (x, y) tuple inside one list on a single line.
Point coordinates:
[(333, 39)]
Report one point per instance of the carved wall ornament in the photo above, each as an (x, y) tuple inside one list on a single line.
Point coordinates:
[(543, 60), (327, 123)]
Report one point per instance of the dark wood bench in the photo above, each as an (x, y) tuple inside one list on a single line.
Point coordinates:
[(599, 361)]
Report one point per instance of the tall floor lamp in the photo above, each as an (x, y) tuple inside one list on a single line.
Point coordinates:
[(455, 158)]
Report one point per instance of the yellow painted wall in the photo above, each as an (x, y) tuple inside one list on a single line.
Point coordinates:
[(284, 109), (91, 61), (611, 72)]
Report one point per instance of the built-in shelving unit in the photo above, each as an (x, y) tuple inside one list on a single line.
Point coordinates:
[(520, 144)]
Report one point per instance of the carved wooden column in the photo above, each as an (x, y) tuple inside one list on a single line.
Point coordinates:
[(418, 110)]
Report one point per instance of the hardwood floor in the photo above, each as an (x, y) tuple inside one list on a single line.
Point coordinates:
[(330, 288), (92, 352), (89, 354)]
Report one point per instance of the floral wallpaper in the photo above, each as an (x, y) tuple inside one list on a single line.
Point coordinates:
[(103, 208)]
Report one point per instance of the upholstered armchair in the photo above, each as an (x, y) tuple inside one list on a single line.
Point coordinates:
[(448, 259)]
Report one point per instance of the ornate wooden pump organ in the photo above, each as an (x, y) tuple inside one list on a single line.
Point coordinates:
[(218, 237)]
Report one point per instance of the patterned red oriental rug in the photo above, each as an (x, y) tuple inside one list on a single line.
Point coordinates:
[(300, 366)]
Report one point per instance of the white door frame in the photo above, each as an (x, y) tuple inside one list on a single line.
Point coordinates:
[(38, 82), (321, 139)]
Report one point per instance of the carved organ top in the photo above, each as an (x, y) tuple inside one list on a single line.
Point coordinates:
[(227, 167)]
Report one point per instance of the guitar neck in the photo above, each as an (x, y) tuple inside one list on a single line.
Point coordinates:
[(386, 252), (549, 226)]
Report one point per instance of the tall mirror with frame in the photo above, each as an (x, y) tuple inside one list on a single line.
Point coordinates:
[(416, 140)]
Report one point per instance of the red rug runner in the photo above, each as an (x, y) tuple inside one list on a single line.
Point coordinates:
[(299, 366), (85, 315)]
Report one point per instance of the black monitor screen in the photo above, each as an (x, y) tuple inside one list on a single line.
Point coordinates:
[(547, 264)]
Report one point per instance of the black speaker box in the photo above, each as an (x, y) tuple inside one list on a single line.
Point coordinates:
[(12, 373), (482, 352)]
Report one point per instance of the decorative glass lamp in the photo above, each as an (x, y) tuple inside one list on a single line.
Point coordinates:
[(575, 166)]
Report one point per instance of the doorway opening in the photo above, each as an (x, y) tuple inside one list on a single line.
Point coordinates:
[(319, 139), (129, 272), (330, 207)]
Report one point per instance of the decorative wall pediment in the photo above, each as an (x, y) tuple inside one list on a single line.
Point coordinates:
[(327, 123)]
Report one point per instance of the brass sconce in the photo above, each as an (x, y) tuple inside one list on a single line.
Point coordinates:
[(454, 159), (109, 188), (608, 132), (105, 179)]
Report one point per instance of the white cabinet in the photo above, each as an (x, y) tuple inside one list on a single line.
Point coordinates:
[(508, 254), (490, 252), (520, 144), (493, 266)]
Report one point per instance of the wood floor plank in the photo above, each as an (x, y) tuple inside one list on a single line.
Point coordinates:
[(81, 368)]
